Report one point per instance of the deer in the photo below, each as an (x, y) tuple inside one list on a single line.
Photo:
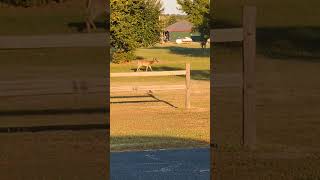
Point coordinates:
[(94, 9), (146, 63)]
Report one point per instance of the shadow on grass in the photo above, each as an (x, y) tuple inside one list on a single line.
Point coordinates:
[(125, 143), (195, 74), (150, 95), (187, 51)]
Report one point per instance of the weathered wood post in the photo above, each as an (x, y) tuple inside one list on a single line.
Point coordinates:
[(188, 87), (249, 93)]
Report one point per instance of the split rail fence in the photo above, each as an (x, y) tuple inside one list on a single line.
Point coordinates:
[(186, 87)]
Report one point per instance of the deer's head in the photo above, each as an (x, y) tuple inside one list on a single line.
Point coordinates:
[(155, 60)]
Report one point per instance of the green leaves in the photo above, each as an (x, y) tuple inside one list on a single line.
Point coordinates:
[(134, 24), (198, 12)]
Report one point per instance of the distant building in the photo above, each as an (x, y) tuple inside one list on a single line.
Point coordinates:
[(179, 29)]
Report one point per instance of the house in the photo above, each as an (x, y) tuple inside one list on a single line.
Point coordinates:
[(179, 29)]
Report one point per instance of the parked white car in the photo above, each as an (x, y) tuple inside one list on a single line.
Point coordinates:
[(186, 39), (179, 41)]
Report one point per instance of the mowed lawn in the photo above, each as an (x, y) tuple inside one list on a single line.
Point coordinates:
[(163, 124)]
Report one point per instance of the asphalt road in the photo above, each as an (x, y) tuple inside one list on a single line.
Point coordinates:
[(188, 164)]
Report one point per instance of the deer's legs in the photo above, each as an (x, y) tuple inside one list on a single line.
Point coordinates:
[(150, 68), (138, 69)]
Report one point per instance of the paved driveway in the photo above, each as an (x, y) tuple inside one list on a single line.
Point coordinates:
[(188, 164)]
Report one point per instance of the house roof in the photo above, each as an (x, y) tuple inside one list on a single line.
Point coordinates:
[(180, 26)]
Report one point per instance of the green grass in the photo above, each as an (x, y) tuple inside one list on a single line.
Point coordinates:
[(158, 125), (172, 57)]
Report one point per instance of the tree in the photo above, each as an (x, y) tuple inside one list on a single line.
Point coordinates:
[(198, 12), (134, 24), (168, 20)]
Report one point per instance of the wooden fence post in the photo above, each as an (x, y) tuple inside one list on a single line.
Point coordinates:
[(249, 94), (188, 87)]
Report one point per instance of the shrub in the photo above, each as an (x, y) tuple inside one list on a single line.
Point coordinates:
[(122, 57), (133, 24)]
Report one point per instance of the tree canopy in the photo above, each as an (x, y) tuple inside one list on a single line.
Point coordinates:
[(198, 12), (134, 24)]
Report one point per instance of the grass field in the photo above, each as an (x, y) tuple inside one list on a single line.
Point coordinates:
[(164, 124)]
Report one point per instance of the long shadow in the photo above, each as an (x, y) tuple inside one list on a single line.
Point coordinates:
[(192, 52), (150, 95), (120, 143)]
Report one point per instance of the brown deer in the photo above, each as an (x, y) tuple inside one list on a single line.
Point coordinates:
[(146, 63), (95, 8)]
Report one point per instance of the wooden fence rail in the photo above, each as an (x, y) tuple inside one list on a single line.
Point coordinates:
[(153, 73), (186, 87)]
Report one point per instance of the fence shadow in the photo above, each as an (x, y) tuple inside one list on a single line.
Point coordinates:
[(149, 95)]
